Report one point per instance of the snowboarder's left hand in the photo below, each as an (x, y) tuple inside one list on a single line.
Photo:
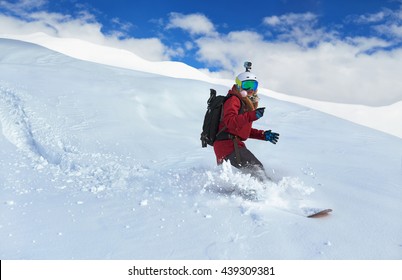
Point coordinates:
[(271, 136)]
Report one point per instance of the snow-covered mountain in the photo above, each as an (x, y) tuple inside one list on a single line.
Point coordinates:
[(104, 162), (383, 118)]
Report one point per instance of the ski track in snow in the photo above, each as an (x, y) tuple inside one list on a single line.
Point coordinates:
[(49, 151)]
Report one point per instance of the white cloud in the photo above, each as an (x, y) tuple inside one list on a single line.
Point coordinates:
[(386, 22), (393, 30), (334, 69), (272, 21), (22, 6), (229, 50), (299, 28), (31, 18), (195, 24), (290, 19), (373, 18), (124, 26)]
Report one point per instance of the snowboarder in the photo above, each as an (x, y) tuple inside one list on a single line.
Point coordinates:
[(239, 112)]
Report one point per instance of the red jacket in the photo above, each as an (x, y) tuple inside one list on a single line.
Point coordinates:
[(237, 124)]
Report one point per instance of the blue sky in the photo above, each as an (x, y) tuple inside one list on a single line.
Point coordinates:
[(150, 18), (312, 48)]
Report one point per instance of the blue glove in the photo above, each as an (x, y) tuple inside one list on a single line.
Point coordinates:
[(259, 112), (271, 136)]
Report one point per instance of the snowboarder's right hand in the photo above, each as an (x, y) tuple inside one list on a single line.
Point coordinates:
[(259, 112)]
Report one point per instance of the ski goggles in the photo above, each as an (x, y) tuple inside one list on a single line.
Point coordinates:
[(249, 85)]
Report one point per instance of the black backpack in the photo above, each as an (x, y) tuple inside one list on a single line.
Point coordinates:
[(212, 119)]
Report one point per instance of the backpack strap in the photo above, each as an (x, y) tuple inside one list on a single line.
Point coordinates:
[(236, 147), (222, 134)]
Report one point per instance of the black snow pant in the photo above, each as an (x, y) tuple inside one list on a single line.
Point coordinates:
[(248, 163)]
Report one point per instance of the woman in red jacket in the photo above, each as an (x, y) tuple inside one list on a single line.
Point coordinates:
[(239, 112)]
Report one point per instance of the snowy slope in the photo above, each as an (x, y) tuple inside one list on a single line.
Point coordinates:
[(99, 162), (383, 118), (87, 51)]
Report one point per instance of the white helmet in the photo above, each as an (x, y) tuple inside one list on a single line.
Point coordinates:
[(246, 76)]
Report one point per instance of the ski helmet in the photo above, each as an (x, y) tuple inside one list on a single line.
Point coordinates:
[(247, 80)]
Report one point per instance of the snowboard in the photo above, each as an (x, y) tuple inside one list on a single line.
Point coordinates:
[(316, 212), (252, 196)]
